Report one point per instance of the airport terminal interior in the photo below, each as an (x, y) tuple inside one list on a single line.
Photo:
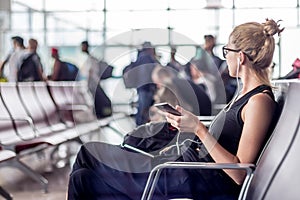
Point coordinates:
[(116, 32)]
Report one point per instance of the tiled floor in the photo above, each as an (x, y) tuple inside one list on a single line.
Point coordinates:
[(30, 190), (27, 189)]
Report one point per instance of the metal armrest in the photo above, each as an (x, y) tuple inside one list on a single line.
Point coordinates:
[(206, 120), (26, 119), (156, 171), (72, 107), (219, 106)]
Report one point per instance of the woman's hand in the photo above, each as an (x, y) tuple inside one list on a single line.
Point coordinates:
[(188, 122)]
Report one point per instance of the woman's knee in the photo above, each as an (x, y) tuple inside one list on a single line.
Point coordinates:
[(81, 184)]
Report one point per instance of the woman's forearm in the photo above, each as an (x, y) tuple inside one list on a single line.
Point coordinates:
[(219, 154)]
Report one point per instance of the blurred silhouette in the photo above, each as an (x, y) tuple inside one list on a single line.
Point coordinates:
[(14, 59), (178, 91), (138, 75), (91, 71), (209, 45), (31, 69), (63, 71), (173, 62), (202, 71), (229, 82)]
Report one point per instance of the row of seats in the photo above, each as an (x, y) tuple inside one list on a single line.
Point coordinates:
[(276, 174), (37, 115), (34, 116)]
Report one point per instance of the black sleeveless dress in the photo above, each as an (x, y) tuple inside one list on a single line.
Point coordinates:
[(104, 171), (227, 129)]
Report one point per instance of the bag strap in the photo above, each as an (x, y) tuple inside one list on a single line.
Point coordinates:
[(26, 59)]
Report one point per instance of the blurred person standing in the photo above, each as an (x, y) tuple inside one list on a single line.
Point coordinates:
[(143, 68), (209, 45), (91, 72), (31, 68), (32, 47), (4, 62), (228, 81), (202, 72), (14, 59), (173, 62), (63, 71), (57, 72)]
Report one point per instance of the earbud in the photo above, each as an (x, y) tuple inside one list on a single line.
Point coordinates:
[(238, 61)]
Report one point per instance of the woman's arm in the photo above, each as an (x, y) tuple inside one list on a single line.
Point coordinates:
[(257, 115)]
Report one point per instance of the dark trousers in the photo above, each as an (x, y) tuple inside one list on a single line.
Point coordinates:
[(103, 171)]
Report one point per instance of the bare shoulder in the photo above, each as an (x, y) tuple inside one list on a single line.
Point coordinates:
[(261, 98), (261, 102)]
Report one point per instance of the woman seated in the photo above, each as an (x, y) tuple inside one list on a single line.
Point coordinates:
[(237, 135)]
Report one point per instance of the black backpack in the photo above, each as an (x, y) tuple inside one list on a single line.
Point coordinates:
[(68, 72), (28, 70), (105, 70), (73, 72)]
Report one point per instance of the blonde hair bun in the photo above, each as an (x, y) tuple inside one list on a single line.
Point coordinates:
[(271, 27)]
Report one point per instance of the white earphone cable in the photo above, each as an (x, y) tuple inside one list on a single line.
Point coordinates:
[(226, 109)]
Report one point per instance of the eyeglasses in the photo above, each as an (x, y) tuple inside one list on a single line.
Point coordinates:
[(225, 51)]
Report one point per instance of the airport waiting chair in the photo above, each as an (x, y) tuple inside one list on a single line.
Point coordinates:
[(275, 175), (5, 157), (30, 123), (52, 114)]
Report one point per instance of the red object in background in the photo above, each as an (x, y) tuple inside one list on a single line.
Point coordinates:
[(296, 64)]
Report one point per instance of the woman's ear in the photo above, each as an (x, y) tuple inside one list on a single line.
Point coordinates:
[(242, 57)]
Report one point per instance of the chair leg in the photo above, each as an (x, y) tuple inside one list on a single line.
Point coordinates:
[(59, 160), (5, 194), (32, 174), (53, 152)]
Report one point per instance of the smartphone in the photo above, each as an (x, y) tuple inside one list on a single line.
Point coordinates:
[(166, 107)]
